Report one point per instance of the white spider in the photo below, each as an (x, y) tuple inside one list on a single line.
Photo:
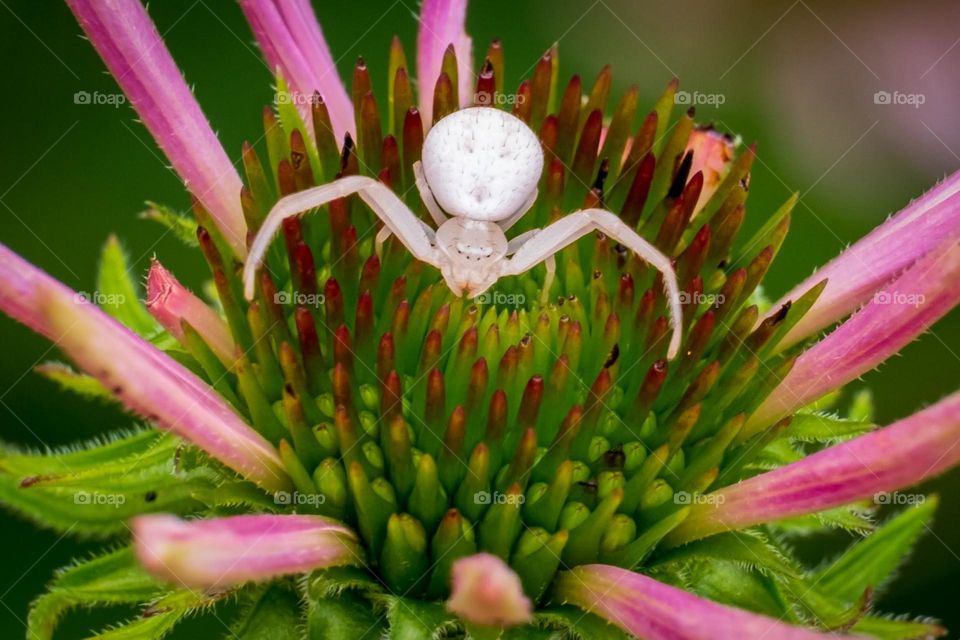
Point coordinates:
[(481, 167)]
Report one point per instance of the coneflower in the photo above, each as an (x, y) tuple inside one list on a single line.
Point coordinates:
[(356, 452)]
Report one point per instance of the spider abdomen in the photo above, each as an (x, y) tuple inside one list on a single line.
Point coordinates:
[(482, 163)]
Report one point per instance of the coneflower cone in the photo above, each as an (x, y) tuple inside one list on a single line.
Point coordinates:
[(547, 434), (524, 420)]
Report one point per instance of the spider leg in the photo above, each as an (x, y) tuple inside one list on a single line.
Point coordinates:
[(385, 233), (416, 236), (515, 218), (543, 245), (551, 263), (439, 217), (515, 243)]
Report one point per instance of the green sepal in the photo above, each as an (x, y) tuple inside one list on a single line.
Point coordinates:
[(326, 583), (861, 406), (819, 608), (111, 579), (162, 616), (184, 228), (94, 489), (817, 427), (732, 584), (271, 613), (118, 294), (870, 562), (884, 628), (72, 380), (525, 632), (578, 624), (418, 620), (748, 548), (852, 517), (345, 615)]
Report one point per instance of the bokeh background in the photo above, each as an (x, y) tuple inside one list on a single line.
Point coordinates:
[(800, 79)]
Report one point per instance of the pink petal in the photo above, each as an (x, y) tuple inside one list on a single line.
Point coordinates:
[(655, 611), (903, 454), (290, 39), (898, 313), (145, 379), (878, 258), (487, 592), (222, 552), (170, 303), (442, 23), (129, 44), (712, 156)]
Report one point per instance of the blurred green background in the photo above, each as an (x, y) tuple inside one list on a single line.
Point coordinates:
[(798, 78)]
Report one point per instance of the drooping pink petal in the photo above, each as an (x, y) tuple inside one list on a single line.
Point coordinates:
[(222, 552), (487, 592), (145, 379), (652, 610), (903, 454), (290, 39), (898, 313), (170, 303), (442, 23), (878, 258), (135, 54)]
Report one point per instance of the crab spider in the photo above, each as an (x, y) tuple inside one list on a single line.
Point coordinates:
[(480, 167)]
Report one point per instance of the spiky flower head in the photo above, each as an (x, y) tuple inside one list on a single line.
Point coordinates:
[(525, 463)]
